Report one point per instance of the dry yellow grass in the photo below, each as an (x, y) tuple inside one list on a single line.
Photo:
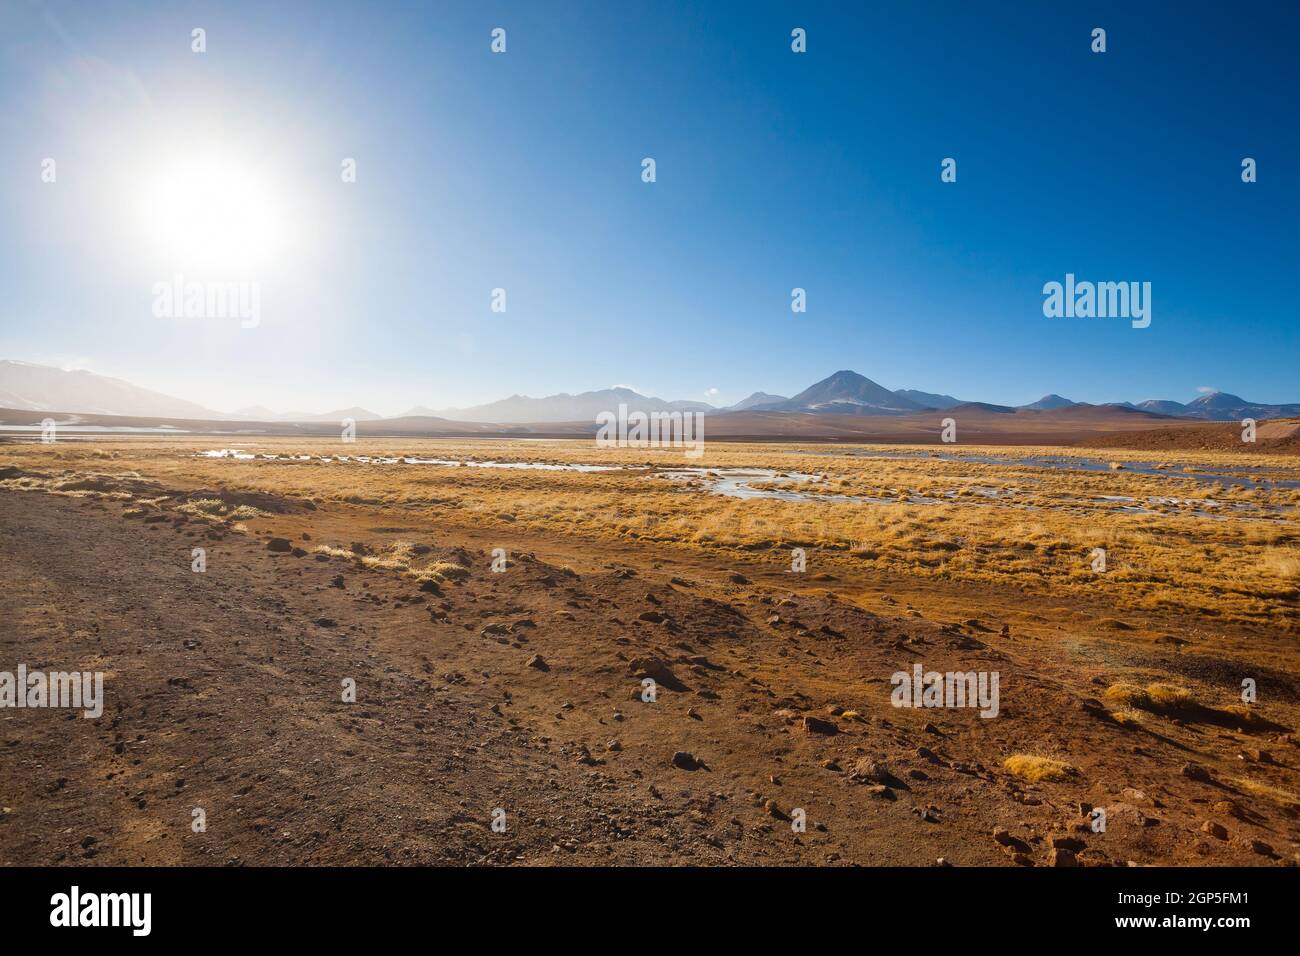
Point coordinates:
[(1284, 797), (398, 556), (1246, 715), (1170, 697), (1230, 553), (333, 552), (1036, 768), (1158, 698), (216, 509), (1127, 718)]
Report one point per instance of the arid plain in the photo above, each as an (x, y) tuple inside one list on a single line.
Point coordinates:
[(498, 605)]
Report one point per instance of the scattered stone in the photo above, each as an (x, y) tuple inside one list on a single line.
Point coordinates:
[(1003, 836), (1196, 772), (686, 761), (925, 753), (1059, 856), (1061, 841), (1255, 755), (279, 545), (815, 725), (869, 771), (1216, 830), (771, 807), (655, 668), (539, 662)]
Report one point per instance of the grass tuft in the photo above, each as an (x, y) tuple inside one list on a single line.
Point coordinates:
[(1034, 768)]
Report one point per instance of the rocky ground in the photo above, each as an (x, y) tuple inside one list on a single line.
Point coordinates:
[(522, 691)]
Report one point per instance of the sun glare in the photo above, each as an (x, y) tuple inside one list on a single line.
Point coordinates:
[(211, 214)]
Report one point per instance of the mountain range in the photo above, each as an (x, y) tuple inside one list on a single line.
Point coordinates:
[(25, 386)]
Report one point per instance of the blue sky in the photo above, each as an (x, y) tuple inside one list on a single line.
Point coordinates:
[(775, 170)]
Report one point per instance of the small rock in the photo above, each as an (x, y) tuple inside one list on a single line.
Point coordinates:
[(1061, 841), (1003, 836), (771, 807), (1216, 830), (815, 725), (653, 667), (686, 761)]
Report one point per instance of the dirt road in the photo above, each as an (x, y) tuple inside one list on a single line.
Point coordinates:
[(522, 691)]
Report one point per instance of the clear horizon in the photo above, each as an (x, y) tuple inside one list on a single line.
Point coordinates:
[(523, 171), (710, 400)]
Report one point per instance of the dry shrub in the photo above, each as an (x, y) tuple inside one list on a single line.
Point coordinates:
[(1036, 768), (1157, 698)]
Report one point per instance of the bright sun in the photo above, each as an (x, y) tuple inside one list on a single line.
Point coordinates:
[(214, 215)]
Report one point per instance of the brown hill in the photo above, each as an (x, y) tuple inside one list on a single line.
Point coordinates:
[(1279, 437), (976, 424)]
